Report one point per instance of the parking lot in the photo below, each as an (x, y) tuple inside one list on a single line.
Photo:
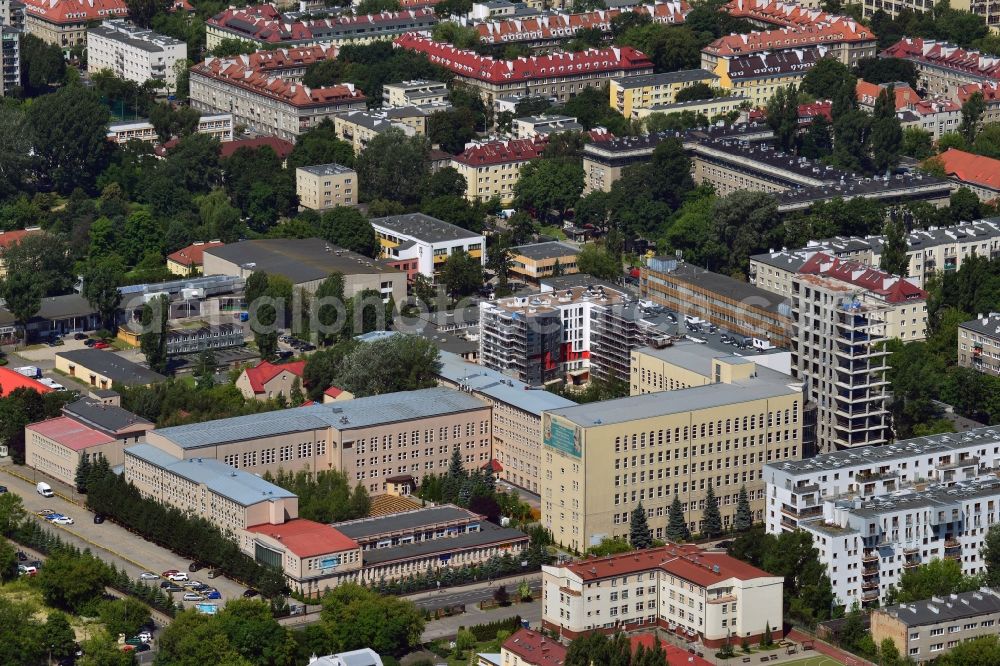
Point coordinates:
[(108, 541)]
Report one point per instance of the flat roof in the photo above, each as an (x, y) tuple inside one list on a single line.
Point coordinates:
[(119, 370), (694, 357), (299, 259), (665, 78), (498, 386), (743, 292), (109, 418), (423, 227), (489, 533), (663, 403), (899, 450), (406, 520), (327, 169), (936, 610), (547, 250), (341, 416), (70, 433), (562, 282), (234, 484)]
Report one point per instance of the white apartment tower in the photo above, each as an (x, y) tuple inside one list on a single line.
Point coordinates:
[(134, 53)]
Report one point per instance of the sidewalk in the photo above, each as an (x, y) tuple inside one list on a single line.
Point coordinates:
[(445, 592)]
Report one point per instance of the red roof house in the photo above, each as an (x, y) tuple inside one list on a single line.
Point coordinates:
[(886, 286), (533, 649), (192, 257), (980, 174), (266, 380)]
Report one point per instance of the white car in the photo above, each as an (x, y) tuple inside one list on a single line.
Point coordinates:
[(148, 575), (144, 636), (179, 576), (63, 520), (193, 596)]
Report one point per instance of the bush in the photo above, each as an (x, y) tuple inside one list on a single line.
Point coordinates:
[(488, 631)]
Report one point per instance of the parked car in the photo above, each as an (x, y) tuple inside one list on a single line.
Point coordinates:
[(724, 544), (98, 518), (196, 566), (100, 345), (169, 571), (26, 570), (90, 342), (148, 575), (3, 489), (165, 584), (196, 585), (193, 596), (213, 573), (250, 593), (179, 576), (79, 336), (53, 516), (174, 587), (142, 647), (44, 512), (22, 556), (212, 594), (56, 342), (63, 520), (145, 636)]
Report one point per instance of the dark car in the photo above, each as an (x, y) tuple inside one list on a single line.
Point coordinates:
[(22, 556), (142, 647), (89, 342), (79, 336), (174, 587), (196, 566), (98, 518), (724, 544), (165, 584), (250, 593)]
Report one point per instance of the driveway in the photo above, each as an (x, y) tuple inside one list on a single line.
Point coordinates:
[(110, 542)]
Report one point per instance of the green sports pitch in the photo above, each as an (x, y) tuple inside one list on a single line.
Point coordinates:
[(815, 660)]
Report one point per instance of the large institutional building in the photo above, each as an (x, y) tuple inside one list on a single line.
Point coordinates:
[(666, 445), (876, 512), (64, 23), (698, 595)]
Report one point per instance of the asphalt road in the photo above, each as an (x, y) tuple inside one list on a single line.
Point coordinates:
[(111, 543), (471, 597)]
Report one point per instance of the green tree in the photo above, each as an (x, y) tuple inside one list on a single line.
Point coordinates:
[(320, 145), (394, 166), (711, 522), (918, 143), (58, 636), (103, 650), (101, 279), (193, 639), (47, 258), (783, 117), (42, 64), (69, 581), (461, 273), (22, 295), (255, 634), (330, 314), (124, 616), (142, 12), (695, 91), (549, 185), (894, 247), (611, 546), (349, 229), (12, 513), (991, 556), (827, 78), (500, 261), (205, 369), (744, 516), (595, 261), (82, 473), (396, 363), (677, 527), (889, 653), (886, 132), (767, 640), (8, 561), (640, 536), (982, 651), (886, 70), (936, 578), (355, 617), (972, 115), (452, 129), (70, 132), (153, 340)]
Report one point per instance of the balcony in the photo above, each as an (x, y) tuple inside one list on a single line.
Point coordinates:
[(869, 585), (953, 555), (868, 477), (869, 571), (952, 543), (870, 556), (869, 595), (911, 550), (911, 564)]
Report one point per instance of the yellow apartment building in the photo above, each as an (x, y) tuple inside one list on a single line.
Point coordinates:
[(326, 186), (631, 93)]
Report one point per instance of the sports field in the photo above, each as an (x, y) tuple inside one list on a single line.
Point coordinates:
[(815, 660)]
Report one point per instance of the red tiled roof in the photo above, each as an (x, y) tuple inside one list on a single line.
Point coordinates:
[(780, 13), (892, 288), (193, 255), (991, 92), (471, 65), (789, 38), (493, 466), (8, 238), (69, 433), (76, 11), (501, 152), (234, 72), (280, 146), (280, 59), (556, 26), (333, 391), (307, 538), (810, 111), (971, 168), (264, 23), (675, 655), (867, 94), (682, 560), (535, 649), (10, 380), (946, 56), (265, 371)]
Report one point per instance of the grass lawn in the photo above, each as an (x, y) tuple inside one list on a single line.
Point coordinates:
[(552, 232), (815, 660), (21, 591)]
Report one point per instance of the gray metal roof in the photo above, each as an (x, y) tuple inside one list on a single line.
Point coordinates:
[(241, 487), (742, 292), (424, 227), (346, 415), (108, 418), (405, 520), (489, 533), (299, 259), (498, 386), (900, 450), (666, 78), (327, 169), (652, 405), (119, 370), (54, 308), (988, 325), (943, 609), (549, 250)]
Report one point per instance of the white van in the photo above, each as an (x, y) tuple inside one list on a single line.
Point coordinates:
[(44, 489)]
